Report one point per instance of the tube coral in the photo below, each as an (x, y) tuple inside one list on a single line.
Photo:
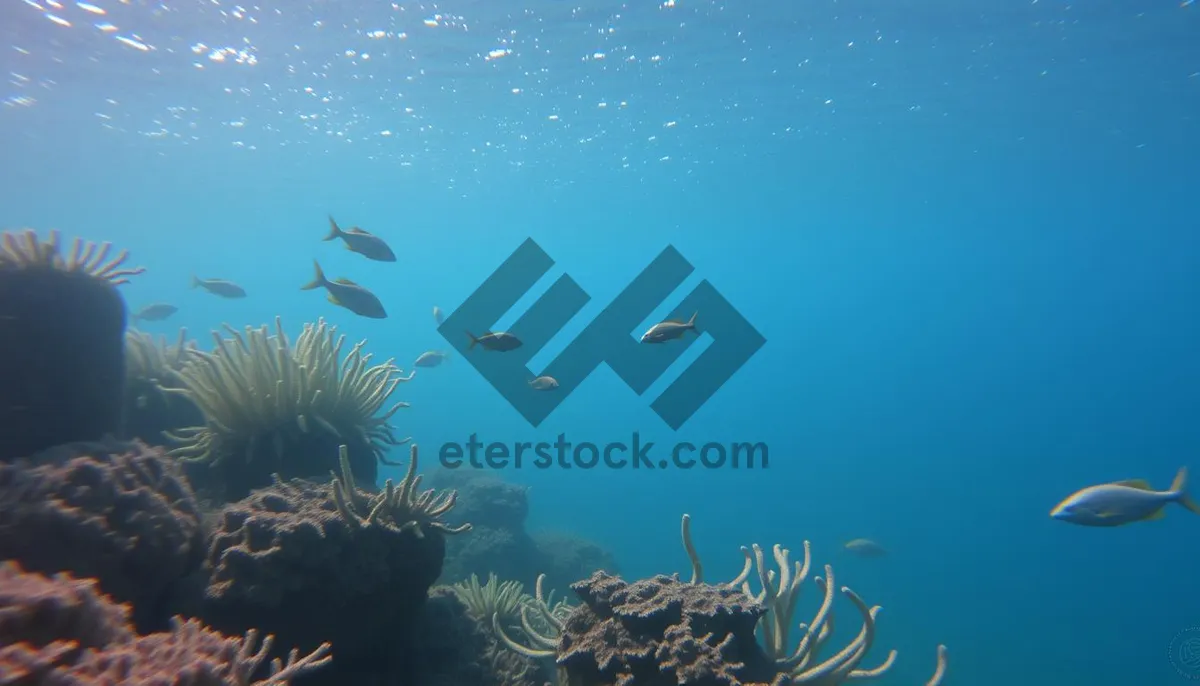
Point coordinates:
[(778, 595)]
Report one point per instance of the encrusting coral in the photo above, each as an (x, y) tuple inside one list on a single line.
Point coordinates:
[(60, 632), (121, 513), (62, 326), (635, 633), (46, 622), (273, 408), (366, 559)]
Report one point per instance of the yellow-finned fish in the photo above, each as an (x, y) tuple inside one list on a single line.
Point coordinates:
[(345, 293), (362, 242), (1123, 502)]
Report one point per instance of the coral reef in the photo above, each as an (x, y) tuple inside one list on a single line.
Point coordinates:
[(60, 632), (664, 631), (62, 326), (367, 559), (117, 512), (150, 367), (273, 408), (47, 622)]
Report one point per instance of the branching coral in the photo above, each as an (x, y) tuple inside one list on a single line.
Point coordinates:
[(25, 251), (400, 507), (192, 653), (255, 388), (779, 595), (776, 602), (59, 631)]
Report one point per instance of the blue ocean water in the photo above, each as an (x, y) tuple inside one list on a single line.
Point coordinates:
[(966, 231)]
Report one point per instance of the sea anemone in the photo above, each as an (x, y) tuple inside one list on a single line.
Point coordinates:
[(24, 250), (271, 407)]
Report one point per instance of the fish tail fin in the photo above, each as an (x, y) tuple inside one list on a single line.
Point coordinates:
[(318, 278), (334, 231), (1179, 486), (474, 340), (692, 323), (195, 281)]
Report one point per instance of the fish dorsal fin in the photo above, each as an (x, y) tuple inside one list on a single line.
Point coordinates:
[(345, 282), (360, 232), (1140, 484)]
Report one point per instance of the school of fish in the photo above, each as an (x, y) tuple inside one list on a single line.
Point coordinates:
[(1110, 504)]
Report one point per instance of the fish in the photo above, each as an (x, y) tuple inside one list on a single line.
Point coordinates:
[(669, 330), (431, 358), (155, 312), (499, 341), (438, 316), (345, 293), (362, 242), (865, 547), (1123, 502), (221, 287), (544, 383)]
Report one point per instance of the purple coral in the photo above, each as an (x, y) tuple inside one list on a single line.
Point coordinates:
[(59, 631), (118, 512), (188, 655), (46, 622)]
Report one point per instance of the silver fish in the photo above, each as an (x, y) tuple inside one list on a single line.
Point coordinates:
[(345, 293), (669, 330), (431, 358), (438, 316), (499, 341), (362, 242), (865, 547), (155, 312), (221, 287), (544, 383), (1123, 502)]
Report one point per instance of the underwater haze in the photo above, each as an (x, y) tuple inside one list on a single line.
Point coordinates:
[(967, 232)]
